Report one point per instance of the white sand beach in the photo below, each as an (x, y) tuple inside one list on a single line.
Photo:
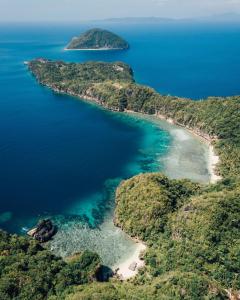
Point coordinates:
[(213, 158), (129, 267), (178, 162), (91, 49), (212, 163)]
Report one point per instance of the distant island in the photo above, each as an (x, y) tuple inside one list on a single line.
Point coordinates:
[(97, 39), (215, 18)]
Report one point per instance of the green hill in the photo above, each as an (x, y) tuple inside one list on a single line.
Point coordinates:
[(97, 39), (28, 271)]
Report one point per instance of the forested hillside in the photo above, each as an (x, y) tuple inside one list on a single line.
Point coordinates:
[(97, 38), (28, 271)]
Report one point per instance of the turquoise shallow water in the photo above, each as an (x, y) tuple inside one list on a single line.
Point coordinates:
[(62, 157)]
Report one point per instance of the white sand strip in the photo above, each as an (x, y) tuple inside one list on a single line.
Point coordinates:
[(92, 49), (212, 163), (130, 266)]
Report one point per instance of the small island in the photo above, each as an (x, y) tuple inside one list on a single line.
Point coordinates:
[(97, 39)]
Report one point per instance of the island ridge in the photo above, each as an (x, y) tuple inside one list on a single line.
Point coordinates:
[(97, 39)]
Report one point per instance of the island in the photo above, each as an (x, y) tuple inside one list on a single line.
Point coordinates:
[(97, 39), (191, 231)]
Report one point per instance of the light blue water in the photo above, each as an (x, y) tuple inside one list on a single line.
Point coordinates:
[(62, 157)]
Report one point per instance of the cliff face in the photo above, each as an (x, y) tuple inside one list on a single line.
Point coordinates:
[(98, 39)]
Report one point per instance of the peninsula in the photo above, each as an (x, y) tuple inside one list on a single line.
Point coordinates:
[(112, 85), (97, 39)]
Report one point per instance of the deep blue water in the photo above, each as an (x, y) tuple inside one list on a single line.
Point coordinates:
[(56, 151)]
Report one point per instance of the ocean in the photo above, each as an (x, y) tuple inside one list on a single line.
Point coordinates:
[(63, 158)]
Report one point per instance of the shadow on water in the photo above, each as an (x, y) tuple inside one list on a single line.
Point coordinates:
[(104, 273)]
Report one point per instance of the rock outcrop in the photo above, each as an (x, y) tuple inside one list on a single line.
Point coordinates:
[(44, 231)]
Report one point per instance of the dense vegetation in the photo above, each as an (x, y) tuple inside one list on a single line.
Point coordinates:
[(156, 196), (97, 39), (197, 233), (28, 271), (79, 78), (172, 285), (192, 231)]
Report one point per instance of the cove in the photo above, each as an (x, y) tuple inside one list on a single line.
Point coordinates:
[(164, 147)]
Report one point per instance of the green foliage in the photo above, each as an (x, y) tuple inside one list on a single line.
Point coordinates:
[(72, 76), (204, 235), (96, 39), (149, 199), (173, 285), (187, 228), (28, 271)]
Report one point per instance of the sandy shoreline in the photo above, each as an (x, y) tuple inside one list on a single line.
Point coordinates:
[(212, 163), (91, 49), (213, 158), (129, 267)]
